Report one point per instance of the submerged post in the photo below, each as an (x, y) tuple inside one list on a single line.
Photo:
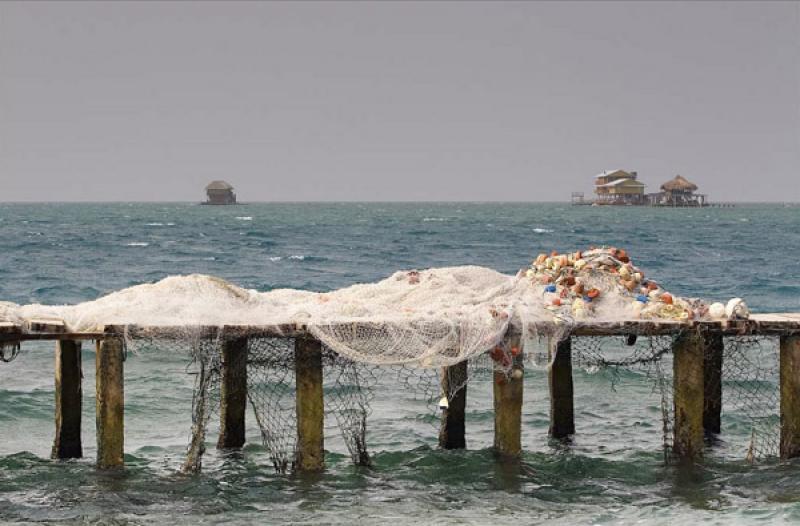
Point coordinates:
[(508, 404), (452, 432), (110, 403), (688, 396), (233, 393), (310, 408), (562, 412), (712, 382), (790, 396), (68, 377)]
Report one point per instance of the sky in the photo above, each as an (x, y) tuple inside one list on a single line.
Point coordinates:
[(405, 101)]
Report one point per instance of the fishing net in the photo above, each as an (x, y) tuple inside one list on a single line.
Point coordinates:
[(433, 332), (738, 379)]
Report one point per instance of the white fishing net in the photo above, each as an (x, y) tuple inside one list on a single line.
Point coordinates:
[(427, 318)]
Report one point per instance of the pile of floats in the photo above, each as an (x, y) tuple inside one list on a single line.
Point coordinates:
[(575, 284)]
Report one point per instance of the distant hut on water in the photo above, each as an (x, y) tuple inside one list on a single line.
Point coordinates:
[(220, 193), (679, 191)]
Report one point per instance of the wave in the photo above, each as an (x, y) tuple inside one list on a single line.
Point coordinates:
[(138, 244), (543, 230), (244, 218), (160, 224)]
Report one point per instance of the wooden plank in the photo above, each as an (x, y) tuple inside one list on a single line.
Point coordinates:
[(110, 403), (452, 434), (50, 325), (310, 405), (508, 406), (790, 396), (7, 327), (762, 324), (233, 393), (688, 396), (559, 377), (51, 336), (68, 393)]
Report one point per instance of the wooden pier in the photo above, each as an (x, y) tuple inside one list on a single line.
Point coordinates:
[(697, 361)]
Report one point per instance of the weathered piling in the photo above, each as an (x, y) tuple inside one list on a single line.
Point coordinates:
[(68, 378), (233, 393), (508, 405), (562, 412), (310, 405), (712, 382), (790, 396), (452, 432), (110, 403), (688, 396)]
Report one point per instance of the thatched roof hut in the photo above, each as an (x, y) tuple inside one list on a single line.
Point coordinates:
[(218, 185), (220, 193), (679, 184)]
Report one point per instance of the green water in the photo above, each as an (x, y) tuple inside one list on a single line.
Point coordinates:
[(612, 473)]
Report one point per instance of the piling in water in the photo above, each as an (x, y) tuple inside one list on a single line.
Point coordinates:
[(310, 408), (68, 398), (110, 404)]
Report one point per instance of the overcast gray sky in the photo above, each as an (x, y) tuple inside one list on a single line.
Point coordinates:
[(396, 101)]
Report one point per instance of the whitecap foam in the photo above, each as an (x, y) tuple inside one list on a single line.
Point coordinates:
[(543, 231), (244, 218), (138, 244)]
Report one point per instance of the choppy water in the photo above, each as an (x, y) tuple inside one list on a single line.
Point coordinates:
[(613, 473)]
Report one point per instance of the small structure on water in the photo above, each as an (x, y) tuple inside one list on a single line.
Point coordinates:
[(678, 191), (618, 187), (220, 193)]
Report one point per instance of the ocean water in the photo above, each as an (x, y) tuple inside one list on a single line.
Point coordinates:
[(612, 473)]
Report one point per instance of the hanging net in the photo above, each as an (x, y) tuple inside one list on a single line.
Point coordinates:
[(413, 328)]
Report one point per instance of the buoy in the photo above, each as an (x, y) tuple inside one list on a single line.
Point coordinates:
[(716, 310), (443, 403), (736, 309)]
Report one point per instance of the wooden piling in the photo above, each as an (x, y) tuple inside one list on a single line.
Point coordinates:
[(562, 412), (790, 396), (712, 382), (688, 396), (508, 406), (452, 431), (110, 403), (310, 405), (233, 393), (68, 378)]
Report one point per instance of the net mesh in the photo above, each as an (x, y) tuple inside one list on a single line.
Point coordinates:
[(418, 329)]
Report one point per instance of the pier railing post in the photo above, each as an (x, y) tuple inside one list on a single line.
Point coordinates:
[(233, 393), (688, 391), (508, 405), (310, 405), (452, 432), (790, 396), (712, 382), (68, 378), (562, 412), (110, 404)]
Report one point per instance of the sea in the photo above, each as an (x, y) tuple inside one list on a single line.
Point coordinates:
[(613, 471)]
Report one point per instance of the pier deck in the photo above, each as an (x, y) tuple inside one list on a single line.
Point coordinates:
[(697, 349)]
